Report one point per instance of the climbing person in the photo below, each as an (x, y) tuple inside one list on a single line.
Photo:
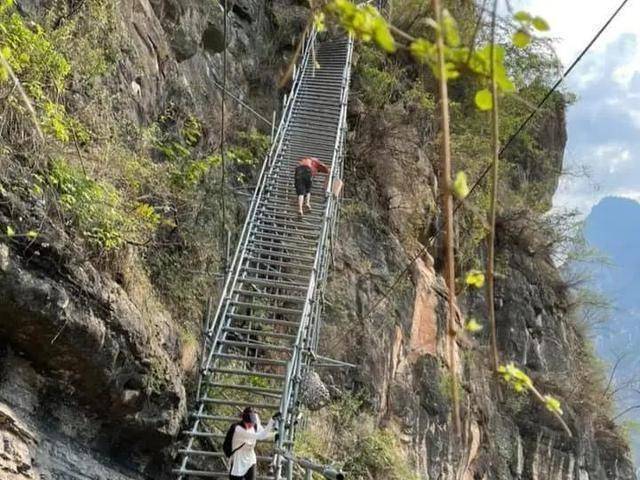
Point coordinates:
[(240, 442), (306, 169)]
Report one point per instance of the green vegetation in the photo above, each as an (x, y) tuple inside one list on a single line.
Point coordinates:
[(97, 210), (347, 432), (107, 182)]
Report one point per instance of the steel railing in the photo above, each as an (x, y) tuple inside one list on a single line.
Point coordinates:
[(272, 270)]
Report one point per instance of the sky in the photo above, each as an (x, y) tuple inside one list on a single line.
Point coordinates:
[(604, 123)]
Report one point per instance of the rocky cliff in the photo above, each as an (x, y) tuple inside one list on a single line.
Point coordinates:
[(99, 344), (95, 358), (397, 333)]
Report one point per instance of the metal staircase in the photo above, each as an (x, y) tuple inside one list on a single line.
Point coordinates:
[(265, 329)]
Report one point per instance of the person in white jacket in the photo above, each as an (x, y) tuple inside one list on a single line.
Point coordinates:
[(245, 436)]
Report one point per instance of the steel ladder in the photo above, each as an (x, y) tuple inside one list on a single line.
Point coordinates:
[(265, 330)]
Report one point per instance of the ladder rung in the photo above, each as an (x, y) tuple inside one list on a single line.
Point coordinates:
[(208, 474), (282, 245), (243, 358), (323, 111), (249, 373), (330, 97), (271, 296), (278, 210), (287, 198), (318, 121), (280, 255), (282, 205), (296, 234), (272, 283), (190, 433), (299, 225), (257, 346), (287, 235), (294, 151), (312, 133), (268, 321), (283, 238), (274, 273), (260, 333), (205, 453), (246, 388), (215, 418), (293, 266), (239, 403), (270, 308)]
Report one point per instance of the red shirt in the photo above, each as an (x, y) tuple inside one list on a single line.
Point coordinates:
[(315, 165)]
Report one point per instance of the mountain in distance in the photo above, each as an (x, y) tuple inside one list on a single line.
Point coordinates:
[(613, 228)]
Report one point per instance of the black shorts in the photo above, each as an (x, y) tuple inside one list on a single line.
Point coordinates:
[(302, 180)]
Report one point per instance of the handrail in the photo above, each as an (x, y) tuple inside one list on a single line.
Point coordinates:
[(213, 334), (307, 331), (327, 471), (269, 162), (305, 341)]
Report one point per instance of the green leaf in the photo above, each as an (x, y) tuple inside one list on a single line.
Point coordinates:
[(5, 4), (484, 100), (382, 36), (10, 231), (472, 326), (451, 71), (521, 39), (451, 35), (475, 278), (32, 234), (318, 22), (422, 50), (504, 83), (522, 16), (460, 187), (552, 404), (6, 53), (515, 377), (540, 24)]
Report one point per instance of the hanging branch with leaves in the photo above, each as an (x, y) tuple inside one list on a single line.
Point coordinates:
[(447, 207), (495, 153), (448, 58)]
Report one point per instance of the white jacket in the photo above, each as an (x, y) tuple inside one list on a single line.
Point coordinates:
[(245, 457)]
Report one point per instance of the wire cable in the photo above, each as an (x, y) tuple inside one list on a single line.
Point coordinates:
[(222, 136), (243, 104), (509, 142)]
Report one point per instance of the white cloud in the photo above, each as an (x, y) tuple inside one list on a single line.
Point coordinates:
[(604, 123), (574, 22)]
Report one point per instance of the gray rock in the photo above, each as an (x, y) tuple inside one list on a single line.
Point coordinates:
[(314, 394)]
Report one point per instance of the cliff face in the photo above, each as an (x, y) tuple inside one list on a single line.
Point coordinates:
[(94, 360), (398, 338)]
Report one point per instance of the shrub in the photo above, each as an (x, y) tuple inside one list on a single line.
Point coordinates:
[(381, 456), (377, 86), (97, 210), (346, 432)]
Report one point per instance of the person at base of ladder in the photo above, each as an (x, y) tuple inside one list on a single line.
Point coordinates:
[(245, 435), (306, 169)]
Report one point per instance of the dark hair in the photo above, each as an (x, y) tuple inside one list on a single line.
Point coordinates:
[(248, 415)]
